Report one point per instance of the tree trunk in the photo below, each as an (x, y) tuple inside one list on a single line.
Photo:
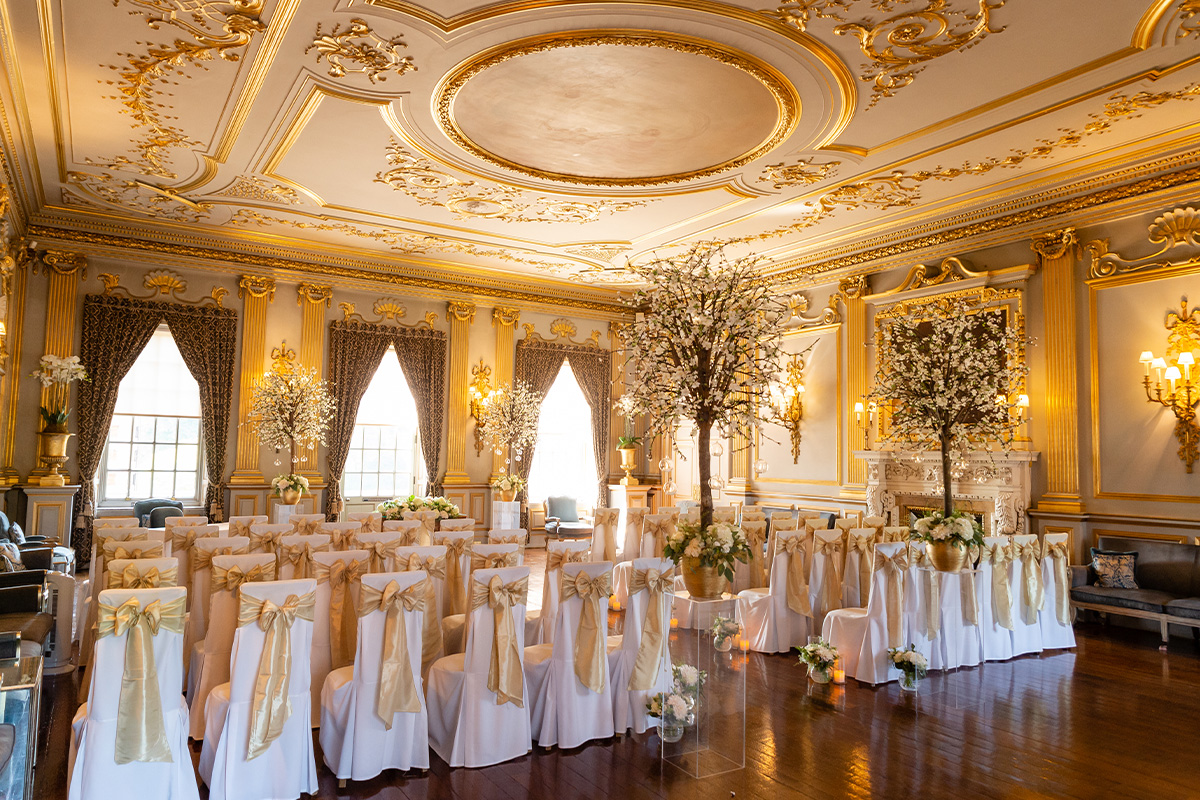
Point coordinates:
[(704, 461), (291, 456), (947, 490)]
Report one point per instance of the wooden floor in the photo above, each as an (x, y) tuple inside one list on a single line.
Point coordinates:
[(1115, 718)]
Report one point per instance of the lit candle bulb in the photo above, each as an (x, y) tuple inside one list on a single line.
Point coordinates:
[(674, 622), (1159, 365), (615, 605), (1147, 359), (1173, 375), (744, 645), (1186, 360), (858, 412), (839, 672)]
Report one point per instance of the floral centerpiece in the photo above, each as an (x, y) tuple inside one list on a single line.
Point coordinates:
[(508, 485), (391, 509), (444, 508), (675, 708), (707, 555), (58, 371), (290, 488), (289, 408), (820, 657), (395, 508), (724, 631), (949, 538), (912, 665)]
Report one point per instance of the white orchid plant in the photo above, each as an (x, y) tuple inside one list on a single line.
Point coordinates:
[(509, 420), (949, 372), (704, 346), (58, 371), (292, 408), (719, 545)]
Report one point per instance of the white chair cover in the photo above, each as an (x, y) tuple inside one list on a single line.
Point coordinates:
[(631, 547), (240, 526), (134, 548), (428, 520), (1056, 617), (896, 533), (1028, 595), (134, 573), (563, 711), (995, 619), (629, 705), (825, 575), (288, 767), (846, 523), (517, 536), (93, 773), (459, 524), (768, 623), (856, 569), (483, 556), (266, 538), (547, 617), (919, 586), (296, 553), (863, 636), (411, 527), (211, 669), (381, 548), (959, 642), (604, 534), (467, 728), (656, 528), (780, 521), (323, 646), (117, 529), (205, 550), (692, 515), (725, 514), (355, 743), (451, 540), (369, 521), (341, 534), (183, 538), (306, 523)]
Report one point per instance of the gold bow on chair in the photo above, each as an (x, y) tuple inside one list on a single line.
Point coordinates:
[(660, 529), (301, 556), (397, 691), (141, 732), (653, 645), (239, 528), (1033, 590), (797, 584), (968, 598), (121, 553), (341, 539), (591, 637), (831, 585), (556, 558), (895, 566), (341, 577), (431, 631), (862, 545), (773, 531), (455, 548), (999, 556), (607, 519), (271, 707), (268, 542), (202, 557), (756, 537), (409, 537), (307, 527), (378, 553), (1058, 555), (101, 540), (183, 537), (493, 560), (232, 578), (505, 676), (132, 578)]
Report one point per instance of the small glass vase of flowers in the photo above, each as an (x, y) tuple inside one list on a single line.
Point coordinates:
[(820, 656), (675, 708), (289, 488), (949, 539), (724, 631), (912, 665), (508, 485)]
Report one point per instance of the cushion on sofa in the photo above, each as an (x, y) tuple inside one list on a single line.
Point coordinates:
[(1187, 607), (1166, 566), (563, 508), (1139, 599), (1114, 570)]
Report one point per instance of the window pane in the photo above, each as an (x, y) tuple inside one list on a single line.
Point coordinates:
[(121, 428), (371, 437), (370, 461), (387, 438), (563, 463), (165, 431), (387, 485), (118, 458), (116, 485), (189, 431), (164, 457), (357, 439), (164, 484), (143, 456), (139, 485), (370, 484), (159, 382), (143, 429), (353, 485), (354, 461), (187, 459), (387, 461), (185, 485)]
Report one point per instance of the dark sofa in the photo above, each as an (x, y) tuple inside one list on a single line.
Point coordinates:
[(1168, 579)]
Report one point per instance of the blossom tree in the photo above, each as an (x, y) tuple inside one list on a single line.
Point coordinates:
[(290, 408), (704, 346), (510, 420), (949, 371)]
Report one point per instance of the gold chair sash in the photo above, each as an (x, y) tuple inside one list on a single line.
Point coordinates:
[(659, 529), (653, 645), (455, 548), (232, 578), (556, 558), (895, 565), (777, 525), (182, 538), (122, 553), (931, 588), (999, 556), (341, 539), (269, 542), (408, 537), (493, 560), (968, 598), (608, 520), (141, 732), (797, 582), (431, 632), (132, 578), (831, 586), (756, 537), (1033, 590), (1057, 553), (307, 527), (862, 545), (396, 691), (271, 707), (505, 676), (378, 553), (301, 555), (343, 633), (202, 558), (591, 636), (101, 540), (239, 528)]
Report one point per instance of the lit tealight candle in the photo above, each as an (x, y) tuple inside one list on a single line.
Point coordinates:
[(674, 622), (744, 645), (839, 672), (615, 605)]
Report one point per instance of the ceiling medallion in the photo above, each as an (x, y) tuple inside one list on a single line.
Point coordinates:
[(616, 108), (373, 55)]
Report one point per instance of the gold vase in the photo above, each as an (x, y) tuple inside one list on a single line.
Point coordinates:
[(629, 464), (289, 497), (54, 455), (703, 583), (946, 557), (507, 496)]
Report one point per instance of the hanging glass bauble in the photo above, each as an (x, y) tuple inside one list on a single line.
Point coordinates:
[(715, 449), (760, 466), (716, 482), (669, 487)]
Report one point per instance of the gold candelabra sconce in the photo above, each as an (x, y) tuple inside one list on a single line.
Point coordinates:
[(480, 394), (864, 419), (1178, 368), (787, 402)]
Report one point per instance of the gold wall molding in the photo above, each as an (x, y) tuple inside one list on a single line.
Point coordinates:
[(314, 300), (853, 290), (898, 47), (800, 173), (387, 310), (257, 287), (1055, 244), (101, 189), (314, 293), (600, 251), (64, 271), (59, 262), (163, 285), (923, 276), (562, 331), (421, 180), (252, 187), (14, 321), (358, 45), (257, 293), (504, 322), (1173, 229), (462, 317), (798, 304), (505, 316)]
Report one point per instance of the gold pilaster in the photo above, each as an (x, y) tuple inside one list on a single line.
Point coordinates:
[(616, 424), (504, 320), (852, 291), (257, 293), (1057, 252), (462, 316), (14, 280), (314, 300), (64, 271)]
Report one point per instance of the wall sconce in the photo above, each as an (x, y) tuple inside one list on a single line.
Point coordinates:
[(1183, 344), (480, 393), (787, 405), (864, 418)]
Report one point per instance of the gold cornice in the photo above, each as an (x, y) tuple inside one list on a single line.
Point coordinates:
[(257, 287), (787, 99), (314, 293)]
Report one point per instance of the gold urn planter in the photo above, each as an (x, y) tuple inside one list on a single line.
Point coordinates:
[(628, 464), (703, 583), (54, 454), (289, 497), (507, 496), (946, 557)]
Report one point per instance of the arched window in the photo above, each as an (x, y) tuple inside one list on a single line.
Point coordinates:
[(564, 463), (154, 442), (385, 458)]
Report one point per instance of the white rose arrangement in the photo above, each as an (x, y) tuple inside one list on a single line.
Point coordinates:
[(719, 545), (819, 655), (508, 483), (914, 665), (959, 529), (394, 508), (281, 483)]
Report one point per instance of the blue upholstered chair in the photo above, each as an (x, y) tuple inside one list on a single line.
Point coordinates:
[(563, 521), (153, 513)]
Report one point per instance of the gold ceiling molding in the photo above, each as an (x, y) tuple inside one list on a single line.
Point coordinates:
[(1182, 21), (798, 304), (371, 54), (418, 178), (217, 28), (899, 46), (923, 276), (599, 251), (1177, 228), (314, 294), (140, 197), (163, 285), (252, 187), (802, 173), (562, 331), (552, 296), (256, 286), (386, 310), (787, 101)]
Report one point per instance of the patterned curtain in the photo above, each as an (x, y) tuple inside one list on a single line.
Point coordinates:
[(355, 351)]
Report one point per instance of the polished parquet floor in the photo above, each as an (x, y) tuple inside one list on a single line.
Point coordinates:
[(1114, 718)]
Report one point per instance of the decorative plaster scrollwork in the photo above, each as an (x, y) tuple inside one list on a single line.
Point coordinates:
[(798, 304), (386, 309), (314, 293), (163, 284), (505, 317), (1174, 229), (361, 46), (256, 286), (564, 331)]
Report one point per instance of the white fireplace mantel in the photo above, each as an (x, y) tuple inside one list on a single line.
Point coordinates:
[(994, 484)]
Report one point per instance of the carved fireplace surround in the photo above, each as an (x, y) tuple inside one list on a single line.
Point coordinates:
[(997, 487)]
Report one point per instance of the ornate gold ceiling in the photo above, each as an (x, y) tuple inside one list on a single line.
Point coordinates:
[(542, 144)]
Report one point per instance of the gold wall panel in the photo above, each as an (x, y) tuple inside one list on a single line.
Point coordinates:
[(462, 316), (257, 294)]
